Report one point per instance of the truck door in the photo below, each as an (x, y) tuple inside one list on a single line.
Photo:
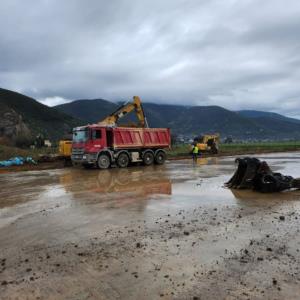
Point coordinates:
[(99, 138), (109, 137)]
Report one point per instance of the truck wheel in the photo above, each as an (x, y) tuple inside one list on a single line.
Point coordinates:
[(123, 160), (148, 158), (103, 161), (160, 158)]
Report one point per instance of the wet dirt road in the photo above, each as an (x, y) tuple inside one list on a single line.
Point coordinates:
[(164, 232)]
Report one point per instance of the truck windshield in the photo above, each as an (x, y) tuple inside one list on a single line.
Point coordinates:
[(80, 135)]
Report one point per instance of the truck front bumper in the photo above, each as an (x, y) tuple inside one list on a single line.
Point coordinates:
[(84, 158)]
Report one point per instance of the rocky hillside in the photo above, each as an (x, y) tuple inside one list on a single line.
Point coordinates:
[(23, 116), (11, 125)]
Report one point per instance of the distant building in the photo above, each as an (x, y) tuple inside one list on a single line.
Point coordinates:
[(48, 143)]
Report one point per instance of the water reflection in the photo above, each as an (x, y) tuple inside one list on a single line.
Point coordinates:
[(248, 196), (207, 161), (134, 182)]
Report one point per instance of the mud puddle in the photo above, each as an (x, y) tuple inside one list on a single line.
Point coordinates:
[(161, 232)]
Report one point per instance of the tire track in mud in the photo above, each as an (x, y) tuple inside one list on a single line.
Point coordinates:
[(206, 252)]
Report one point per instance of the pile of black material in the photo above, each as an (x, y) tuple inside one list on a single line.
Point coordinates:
[(254, 174)]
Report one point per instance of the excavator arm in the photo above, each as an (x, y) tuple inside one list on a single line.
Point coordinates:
[(135, 105)]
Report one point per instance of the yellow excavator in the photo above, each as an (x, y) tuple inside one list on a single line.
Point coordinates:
[(65, 146), (208, 143)]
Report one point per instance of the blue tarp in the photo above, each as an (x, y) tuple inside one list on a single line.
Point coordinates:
[(17, 161)]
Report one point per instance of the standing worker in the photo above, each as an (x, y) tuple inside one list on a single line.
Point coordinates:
[(195, 152)]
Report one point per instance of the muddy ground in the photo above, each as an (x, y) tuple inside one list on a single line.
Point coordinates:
[(49, 163), (41, 165), (164, 232)]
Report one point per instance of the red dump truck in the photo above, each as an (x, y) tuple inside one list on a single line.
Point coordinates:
[(102, 146)]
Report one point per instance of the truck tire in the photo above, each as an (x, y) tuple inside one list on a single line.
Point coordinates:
[(123, 160), (103, 161), (148, 158), (160, 157)]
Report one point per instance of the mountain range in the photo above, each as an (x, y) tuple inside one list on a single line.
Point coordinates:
[(196, 120), (22, 115)]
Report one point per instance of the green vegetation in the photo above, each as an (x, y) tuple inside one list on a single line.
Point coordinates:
[(260, 147), (179, 150), (233, 149)]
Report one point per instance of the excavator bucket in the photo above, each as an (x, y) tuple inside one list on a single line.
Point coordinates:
[(243, 176), (251, 173)]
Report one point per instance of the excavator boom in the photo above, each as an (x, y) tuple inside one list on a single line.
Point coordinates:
[(135, 105)]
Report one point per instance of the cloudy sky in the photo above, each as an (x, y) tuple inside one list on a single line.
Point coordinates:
[(240, 54)]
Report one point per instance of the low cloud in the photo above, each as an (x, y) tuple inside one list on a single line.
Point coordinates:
[(52, 101)]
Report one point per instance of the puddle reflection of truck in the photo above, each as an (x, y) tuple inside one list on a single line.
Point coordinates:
[(140, 182), (105, 143), (134, 184)]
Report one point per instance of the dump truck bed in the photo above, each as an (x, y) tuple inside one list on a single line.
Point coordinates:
[(140, 138)]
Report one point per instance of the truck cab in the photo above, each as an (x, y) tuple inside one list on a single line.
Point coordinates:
[(88, 141)]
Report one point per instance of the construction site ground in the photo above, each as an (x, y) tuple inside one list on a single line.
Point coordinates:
[(158, 232)]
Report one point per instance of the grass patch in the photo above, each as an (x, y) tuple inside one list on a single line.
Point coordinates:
[(260, 147), (231, 149), (179, 150), (7, 152)]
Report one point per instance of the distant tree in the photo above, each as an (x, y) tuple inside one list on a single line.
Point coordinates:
[(23, 141), (174, 139), (39, 141), (228, 140)]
